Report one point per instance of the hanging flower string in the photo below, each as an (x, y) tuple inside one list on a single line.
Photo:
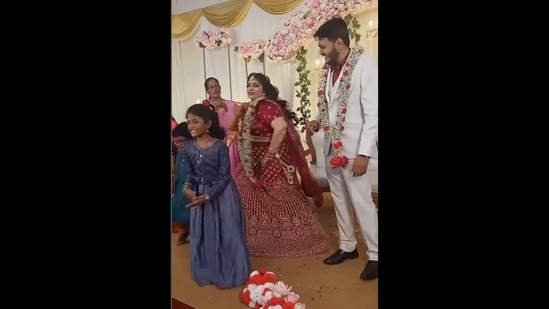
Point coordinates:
[(245, 142), (335, 130), (212, 39)]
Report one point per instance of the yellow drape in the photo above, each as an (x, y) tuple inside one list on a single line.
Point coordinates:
[(227, 14)]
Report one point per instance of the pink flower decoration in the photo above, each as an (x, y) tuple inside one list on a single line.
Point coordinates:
[(302, 24), (292, 297), (251, 50), (211, 39)]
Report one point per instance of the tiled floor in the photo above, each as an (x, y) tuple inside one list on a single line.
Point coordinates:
[(320, 286)]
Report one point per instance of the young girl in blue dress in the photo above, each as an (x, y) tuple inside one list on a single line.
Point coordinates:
[(218, 248)]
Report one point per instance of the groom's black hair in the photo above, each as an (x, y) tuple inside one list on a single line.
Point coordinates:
[(333, 29)]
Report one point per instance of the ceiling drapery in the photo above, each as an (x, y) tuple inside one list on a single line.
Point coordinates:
[(227, 14)]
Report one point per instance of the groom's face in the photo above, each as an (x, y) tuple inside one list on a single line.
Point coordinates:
[(328, 51)]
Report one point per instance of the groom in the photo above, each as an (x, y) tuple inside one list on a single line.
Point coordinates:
[(348, 115)]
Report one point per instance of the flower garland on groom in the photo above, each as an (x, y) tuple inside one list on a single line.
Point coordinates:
[(335, 131)]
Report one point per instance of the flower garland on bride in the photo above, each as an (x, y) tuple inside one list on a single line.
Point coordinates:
[(245, 142), (335, 131)]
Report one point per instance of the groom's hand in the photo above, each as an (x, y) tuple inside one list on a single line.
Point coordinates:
[(312, 127), (360, 166)]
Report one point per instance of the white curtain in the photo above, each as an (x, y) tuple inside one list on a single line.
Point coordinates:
[(187, 78)]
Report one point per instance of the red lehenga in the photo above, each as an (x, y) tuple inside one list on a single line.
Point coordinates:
[(280, 221)]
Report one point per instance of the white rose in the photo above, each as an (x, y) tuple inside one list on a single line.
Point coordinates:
[(299, 306)]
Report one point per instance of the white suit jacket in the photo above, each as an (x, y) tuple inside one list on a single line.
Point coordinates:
[(360, 134)]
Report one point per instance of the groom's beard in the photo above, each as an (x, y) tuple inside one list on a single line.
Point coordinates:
[(333, 55)]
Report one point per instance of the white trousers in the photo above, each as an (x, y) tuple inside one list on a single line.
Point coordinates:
[(353, 193)]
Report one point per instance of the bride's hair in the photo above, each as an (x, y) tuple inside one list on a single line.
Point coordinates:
[(272, 93)]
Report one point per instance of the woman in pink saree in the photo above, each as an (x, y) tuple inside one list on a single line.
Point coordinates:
[(226, 110)]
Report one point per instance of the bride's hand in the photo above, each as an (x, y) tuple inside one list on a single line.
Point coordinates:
[(266, 161), (240, 111)]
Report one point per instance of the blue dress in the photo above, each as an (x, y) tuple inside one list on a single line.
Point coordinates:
[(180, 214), (218, 247)]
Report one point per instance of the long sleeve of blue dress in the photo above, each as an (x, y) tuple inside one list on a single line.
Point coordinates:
[(224, 173), (190, 172)]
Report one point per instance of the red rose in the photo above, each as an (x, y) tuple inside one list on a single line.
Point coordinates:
[(269, 277), (344, 161), (348, 86), (288, 305), (245, 296), (261, 277), (326, 128), (320, 92), (275, 301), (335, 161), (344, 110)]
